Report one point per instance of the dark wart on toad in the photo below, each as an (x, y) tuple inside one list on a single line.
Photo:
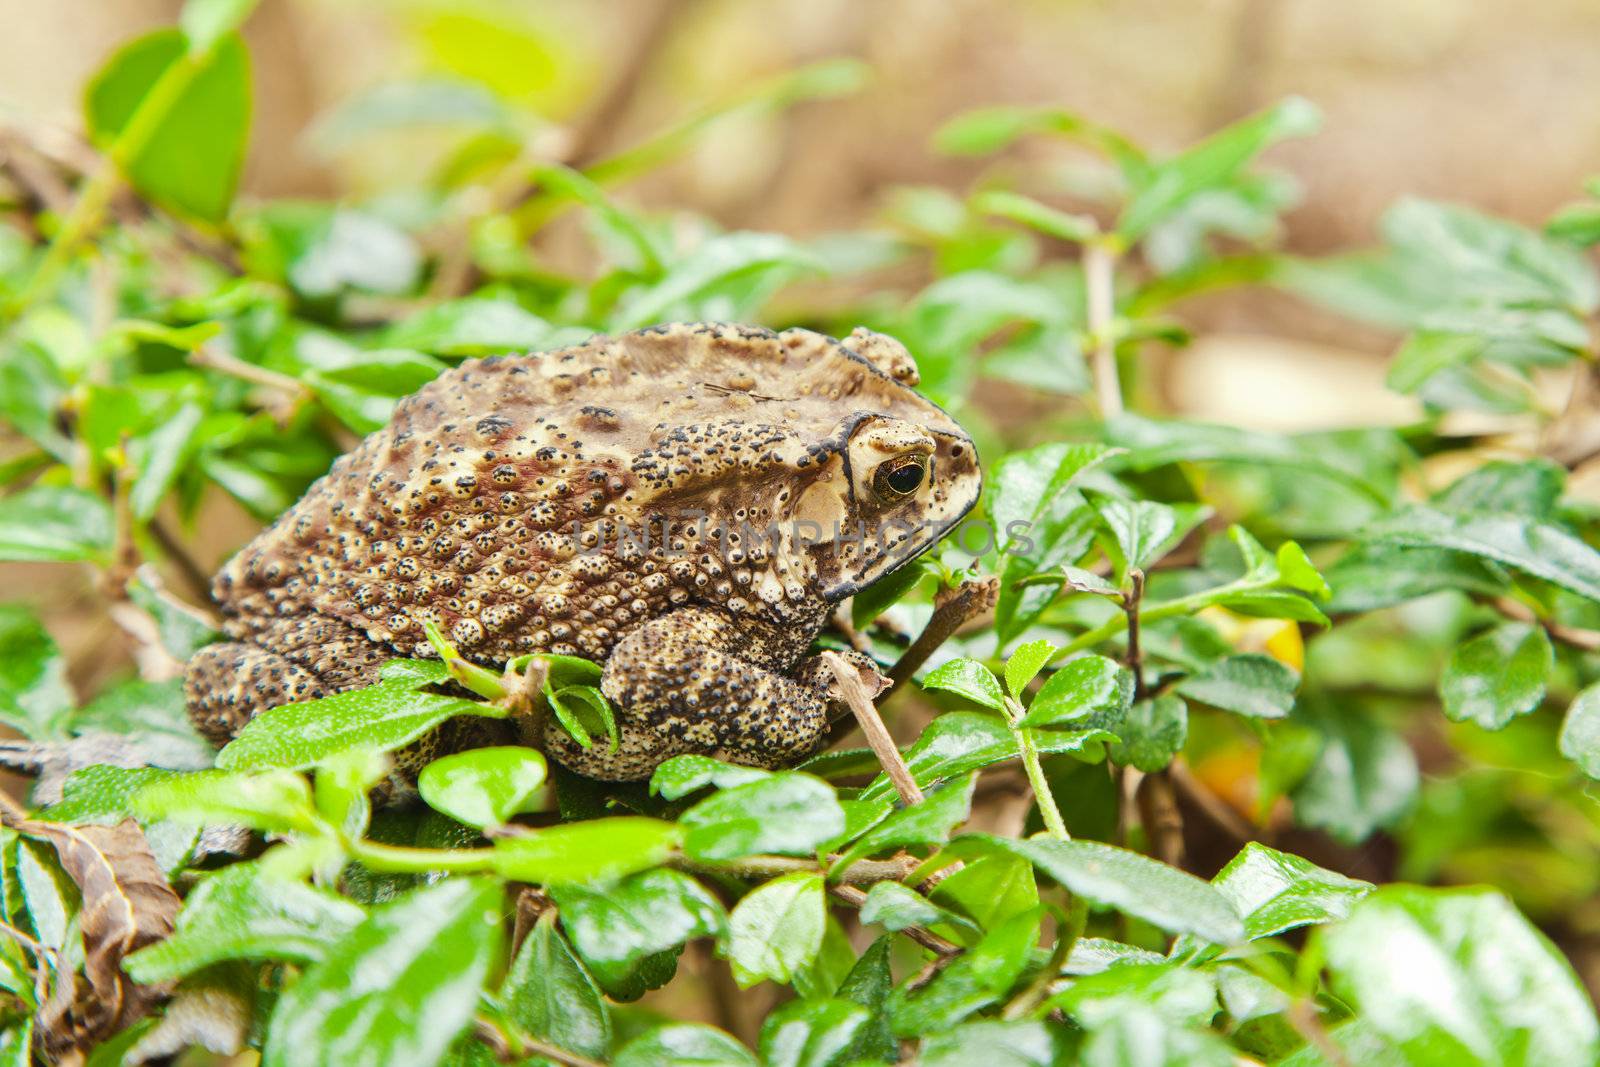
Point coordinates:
[(509, 501)]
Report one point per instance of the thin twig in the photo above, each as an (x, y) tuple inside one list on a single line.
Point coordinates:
[(1099, 276), (920, 934), (847, 629), (217, 360), (1163, 822), (1583, 640), (860, 701), (860, 872), (1131, 604), (952, 609), (1302, 1015)]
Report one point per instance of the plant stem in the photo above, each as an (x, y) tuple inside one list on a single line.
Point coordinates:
[(399, 859), (921, 935), (1035, 771), (1099, 277), (1183, 605), (883, 746)]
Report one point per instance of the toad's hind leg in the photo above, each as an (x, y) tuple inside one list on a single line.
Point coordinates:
[(696, 681), (225, 685)]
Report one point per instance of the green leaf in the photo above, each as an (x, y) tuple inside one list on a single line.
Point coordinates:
[(1153, 733), (616, 927), (1083, 686), (34, 696), (1177, 993), (993, 1043), (685, 1044), (1298, 572), (483, 786), (1250, 684), (961, 741), (151, 720), (895, 907), (55, 524), (1375, 576), (1274, 604), (967, 678), (1142, 531), (273, 801), (774, 932), (1152, 443), (977, 978), (1029, 212), (176, 119), (1365, 776), (1456, 978), (811, 1033), (102, 794), (1580, 731), (718, 263), (597, 850), (1171, 183), (336, 251), (158, 456), (1498, 675), (1025, 663), (396, 989), (1532, 487), (1276, 891), (1113, 877), (205, 22), (364, 389), (1426, 353), (927, 822), (788, 814), (549, 995), (471, 326), (246, 912), (1538, 548), (382, 717), (989, 891), (1141, 1036), (868, 984), (682, 775)]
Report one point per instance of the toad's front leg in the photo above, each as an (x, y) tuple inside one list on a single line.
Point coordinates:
[(694, 681)]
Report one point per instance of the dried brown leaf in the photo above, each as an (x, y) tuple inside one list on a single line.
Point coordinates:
[(127, 905)]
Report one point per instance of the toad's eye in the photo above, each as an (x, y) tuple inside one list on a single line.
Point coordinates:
[(900, 477)]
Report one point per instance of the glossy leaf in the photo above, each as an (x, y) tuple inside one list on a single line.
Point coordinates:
[(788, 814), (994, 1043), (273, 801), (1364, 777), (776, 930), (614, 928), (1498, 675), (34, 697), (811, 1033), (1138, 885), (483, 786), (1250, 684), (1276, 891), (1457, 977), (397, 988), (187, 153), (1025, 663), (1087, 685), (977, 978), (682, 775), (928, 822), (550, 996), (967, 678), (382, 717), (247, 912), (1153, 733), (1538, 548), (54, 524), (957, 742), (594, 851), (1580, 731), (690, 1044)]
